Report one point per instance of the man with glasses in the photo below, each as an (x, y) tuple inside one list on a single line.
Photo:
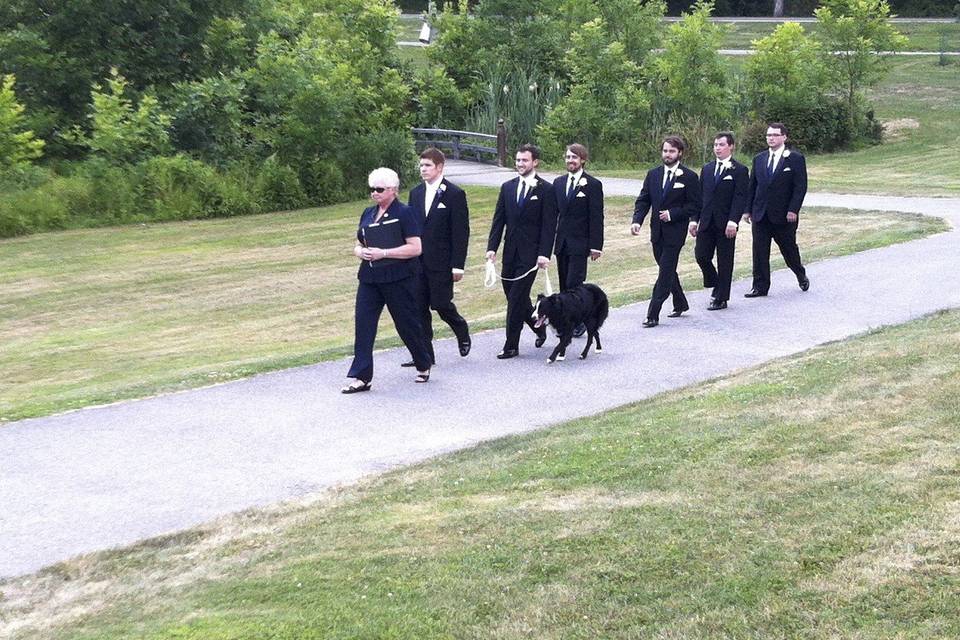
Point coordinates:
[(778, 184)]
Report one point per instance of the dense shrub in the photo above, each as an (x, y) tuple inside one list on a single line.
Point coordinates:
[(278, 187)]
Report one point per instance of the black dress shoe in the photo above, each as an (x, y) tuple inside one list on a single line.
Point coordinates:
[(676, 313), (541, 337), (464, 346), (804, 284), (753, 293), (411, 363), (650, 322), (508, 353), (716, 305), (579, 330)]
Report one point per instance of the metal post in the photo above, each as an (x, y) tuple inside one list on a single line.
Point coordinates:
[(501, 143)]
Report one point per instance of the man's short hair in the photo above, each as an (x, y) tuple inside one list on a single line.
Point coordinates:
[(778, 125), (434, 155), (676, 142), (383, 177), (532, 148), (579, 150), (726, 134)]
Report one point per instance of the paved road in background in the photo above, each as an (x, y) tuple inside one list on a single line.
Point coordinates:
[(110, 476)]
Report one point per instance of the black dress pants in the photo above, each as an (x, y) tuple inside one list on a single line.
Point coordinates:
[(519, 306), (400, 298), (667, 257), (436, 292), (785, 235), (571, 269), (710, 240)]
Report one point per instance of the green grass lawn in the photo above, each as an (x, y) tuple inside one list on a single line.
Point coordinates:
[(921, 36), (95, 316), (814, 497)]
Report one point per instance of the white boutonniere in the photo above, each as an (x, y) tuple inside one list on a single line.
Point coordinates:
[(726, 165), (441, 189), (786, 153), (582, 183), (678, 173)]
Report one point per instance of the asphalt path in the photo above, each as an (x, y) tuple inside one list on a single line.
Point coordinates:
[(110, 476)]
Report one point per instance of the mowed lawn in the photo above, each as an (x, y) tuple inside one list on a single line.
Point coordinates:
[(814, 497), (94, 316)]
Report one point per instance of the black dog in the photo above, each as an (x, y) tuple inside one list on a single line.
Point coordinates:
[(585, 304)]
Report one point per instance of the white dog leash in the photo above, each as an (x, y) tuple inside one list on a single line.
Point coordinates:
[(491, 277)]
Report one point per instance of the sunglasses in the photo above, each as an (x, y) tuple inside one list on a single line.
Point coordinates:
[(378, 189)]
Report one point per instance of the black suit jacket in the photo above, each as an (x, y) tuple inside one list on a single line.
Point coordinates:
[(531, 226), (772, 197), (580, 219), (724, 196), (681, 198), (446, 230)]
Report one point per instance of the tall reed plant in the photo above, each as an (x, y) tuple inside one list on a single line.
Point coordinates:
[(520, 97)]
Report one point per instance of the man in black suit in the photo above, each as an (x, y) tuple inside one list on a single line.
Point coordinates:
[(527, 211), (442, 209), (673, 191), (724, 184), (778, 184), (580, 221)]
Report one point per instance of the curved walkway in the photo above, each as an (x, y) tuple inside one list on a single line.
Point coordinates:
[(110, 476)]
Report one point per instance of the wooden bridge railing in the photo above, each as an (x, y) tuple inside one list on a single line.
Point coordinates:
[(458, 144)]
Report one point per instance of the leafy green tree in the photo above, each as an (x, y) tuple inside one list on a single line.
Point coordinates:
[(787, 81), (787, 69), (607, 103), (18, 147), (120, 132), (857, 35), (692, 80)]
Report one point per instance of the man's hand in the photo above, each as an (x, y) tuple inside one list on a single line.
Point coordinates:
[(731, 230), (492, 256), (746, 218), (543, 262), (791, 216), (635, 229), (595, 255), (457, 277), (665, 215), (692, 228)]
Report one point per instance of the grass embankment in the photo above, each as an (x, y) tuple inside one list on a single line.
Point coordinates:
[(813, 497), (95, 316)]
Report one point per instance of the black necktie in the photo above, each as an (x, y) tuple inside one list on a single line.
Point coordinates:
[(716, 172), (770, 165), (669, 178), (523, 192), (570, 188)]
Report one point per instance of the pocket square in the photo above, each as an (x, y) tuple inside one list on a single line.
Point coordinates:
[(728, 177), (441, 206), (581, 195), (785, 169), (678, 185), (534, 197)]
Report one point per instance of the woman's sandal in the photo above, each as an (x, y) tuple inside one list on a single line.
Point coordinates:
[(356, 387), (422, 376)]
